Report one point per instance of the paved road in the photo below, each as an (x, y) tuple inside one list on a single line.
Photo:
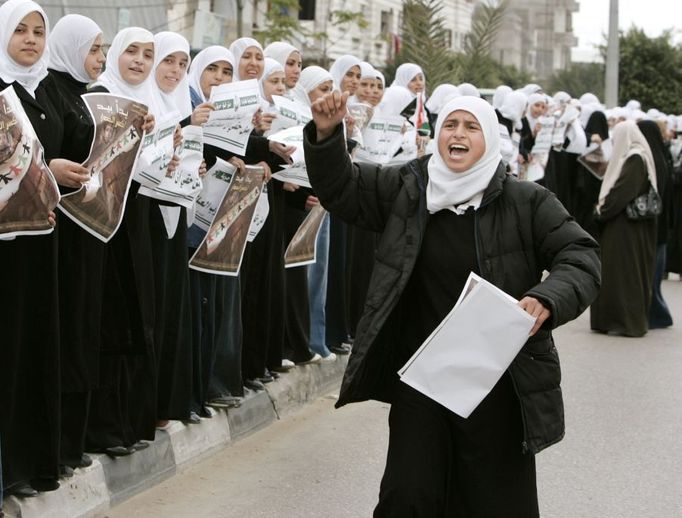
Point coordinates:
[(621, 458)]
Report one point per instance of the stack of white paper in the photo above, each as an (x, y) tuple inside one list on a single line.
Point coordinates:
[(459, 364)]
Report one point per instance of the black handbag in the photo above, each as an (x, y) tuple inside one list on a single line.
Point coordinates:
[(645, 206)]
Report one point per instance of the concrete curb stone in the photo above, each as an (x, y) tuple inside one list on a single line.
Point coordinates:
[(109, 481)]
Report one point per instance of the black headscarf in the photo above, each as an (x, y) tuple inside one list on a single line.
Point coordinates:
[(653, 136), (598, 124)]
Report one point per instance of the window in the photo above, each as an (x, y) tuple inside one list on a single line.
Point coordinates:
[(386, 22), (306, 9)]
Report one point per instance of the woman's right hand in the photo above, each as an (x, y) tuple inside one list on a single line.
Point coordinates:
[(310, 202), (238, 163), (201, 114), (68, 173), (328, 112)]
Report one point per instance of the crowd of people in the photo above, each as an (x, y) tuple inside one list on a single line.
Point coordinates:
[(106, 343)]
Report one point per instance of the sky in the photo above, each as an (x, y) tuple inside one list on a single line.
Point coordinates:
[(592, 21)]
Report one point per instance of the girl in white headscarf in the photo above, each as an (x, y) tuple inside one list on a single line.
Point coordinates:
[(499, 96), (76, 59), (315, 82), (129, 278), (628, 247), (29, 355), (171, 64), (345, 72), (289, 57), (412, 77), (272, 83), (248, 59), (442, 217), (368, 84), (213, 66)]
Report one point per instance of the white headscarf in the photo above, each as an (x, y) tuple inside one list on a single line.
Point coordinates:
[(441, 95), (458, 191), (271, 66), (533, 99), (469, 90), (111, 78), (367, 71), (238, 48), (70, 43), (514, 106), (633, 105), (589, 98), (340, 67), (531, 88), (166, 43), (627, 140), (381, 77), (394, 101), (311, 78), (561, 98), (11, 14), (406, 73), (279, 51), (500, 94), (202, 60)]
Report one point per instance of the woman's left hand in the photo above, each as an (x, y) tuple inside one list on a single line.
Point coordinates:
[(177, 137), (534, 308), (202, 169), (173, 164), (52, 219), (148, 123)]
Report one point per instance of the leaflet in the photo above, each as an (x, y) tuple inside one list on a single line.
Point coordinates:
[(231, 123)]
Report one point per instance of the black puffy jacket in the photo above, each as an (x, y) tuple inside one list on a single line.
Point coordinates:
[(521, 230)]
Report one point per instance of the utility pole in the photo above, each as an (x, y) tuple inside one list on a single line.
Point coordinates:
[(612, 58)]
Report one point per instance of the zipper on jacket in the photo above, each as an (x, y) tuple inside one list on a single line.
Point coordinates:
[(524, 444)]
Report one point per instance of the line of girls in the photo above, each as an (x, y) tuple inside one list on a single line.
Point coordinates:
[(633, 252), (104, 344)]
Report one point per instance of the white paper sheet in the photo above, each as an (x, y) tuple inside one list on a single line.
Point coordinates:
[(296, 172), (230, 124), (462, 360), (289, 113), (381, 140), (216, 182)]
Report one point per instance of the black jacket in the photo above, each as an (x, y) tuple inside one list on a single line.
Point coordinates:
[(521, 230)]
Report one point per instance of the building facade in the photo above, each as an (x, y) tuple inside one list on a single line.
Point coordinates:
[(537, 36)]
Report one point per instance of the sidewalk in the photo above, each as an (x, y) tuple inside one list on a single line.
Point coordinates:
[(110, 481)]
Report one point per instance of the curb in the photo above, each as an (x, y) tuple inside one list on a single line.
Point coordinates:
[(110, 481)]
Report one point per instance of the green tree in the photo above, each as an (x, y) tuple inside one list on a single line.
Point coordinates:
[(650, 71), (425, 42), (281, 22), (578, 79), (476, 64)]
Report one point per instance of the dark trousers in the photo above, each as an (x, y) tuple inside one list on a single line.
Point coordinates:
[(75, 407), (659, 314), (441, 465)]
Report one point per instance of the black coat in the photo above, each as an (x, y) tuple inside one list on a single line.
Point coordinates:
[(521, 229), (29, 351)]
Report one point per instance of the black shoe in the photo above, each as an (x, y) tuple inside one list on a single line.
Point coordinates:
[(23, 491), (86, 462), (266, 377), (254, 385), (140, 445), (340, 349), (118, 451), (65, 471), (225, 402), (45, 484), (274, 374), (193, 418)]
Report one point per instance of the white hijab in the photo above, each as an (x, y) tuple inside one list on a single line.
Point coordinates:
[(311, 78), (459, 191), (532, 99), (441, 95), (280, 51), (531, 89), (70, 43), (501, 92), (340, 67), (271, 66), (394, 101), (165, 44), (469, 90), (11, 14), (406, 73), (111, 78), (514, 106), (202, 60), (238, 48), (627, 140)]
